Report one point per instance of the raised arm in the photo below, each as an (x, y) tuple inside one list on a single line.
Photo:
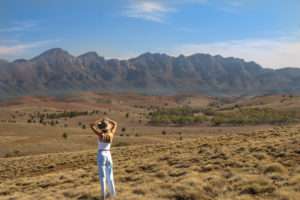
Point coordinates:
[(113, 130), (95, 129)]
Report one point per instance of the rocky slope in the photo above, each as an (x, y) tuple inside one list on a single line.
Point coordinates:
[(56, 72)]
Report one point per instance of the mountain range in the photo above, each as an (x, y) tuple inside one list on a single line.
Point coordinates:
[(56, 72)]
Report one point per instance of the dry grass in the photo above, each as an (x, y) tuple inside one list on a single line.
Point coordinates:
[(188, 162), (258, 165)]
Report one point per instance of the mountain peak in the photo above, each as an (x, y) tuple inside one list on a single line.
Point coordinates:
[(91, 54), (54, 52), (90, 57), (149, 55)]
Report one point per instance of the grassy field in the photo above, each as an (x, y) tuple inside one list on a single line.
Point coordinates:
[(257, 165), (199, 161)]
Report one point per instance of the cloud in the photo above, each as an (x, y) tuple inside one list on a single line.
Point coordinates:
[(10, 50), (148, 10), (270, 53), (20, 26), (236, 3)]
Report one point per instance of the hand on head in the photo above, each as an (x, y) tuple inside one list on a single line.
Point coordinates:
[(105, 119)]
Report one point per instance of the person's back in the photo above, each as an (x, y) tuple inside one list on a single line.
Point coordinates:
[(105, 142)]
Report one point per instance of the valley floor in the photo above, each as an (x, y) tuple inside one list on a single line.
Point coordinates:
[(261, 164)]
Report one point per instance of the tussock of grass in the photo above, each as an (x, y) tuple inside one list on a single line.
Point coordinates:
[(275, 168)]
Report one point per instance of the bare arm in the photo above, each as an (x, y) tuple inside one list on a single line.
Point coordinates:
[(95, 129), (113, 130)]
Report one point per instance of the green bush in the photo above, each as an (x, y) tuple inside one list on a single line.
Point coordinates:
[(64, 135)]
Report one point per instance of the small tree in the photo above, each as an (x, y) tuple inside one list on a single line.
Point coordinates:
[(79, 123), (64, 135), (164, 132), (123, 129), (83, 126)]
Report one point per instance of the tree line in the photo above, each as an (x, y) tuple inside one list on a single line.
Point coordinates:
[(241, 116)]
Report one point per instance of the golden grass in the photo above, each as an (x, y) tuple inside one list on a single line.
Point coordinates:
[(258, 165)]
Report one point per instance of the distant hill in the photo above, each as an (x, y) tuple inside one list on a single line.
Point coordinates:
[(56, 72)]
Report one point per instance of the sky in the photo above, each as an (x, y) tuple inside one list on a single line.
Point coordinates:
[(264, 31)]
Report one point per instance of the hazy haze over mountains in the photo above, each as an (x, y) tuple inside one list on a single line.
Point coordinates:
[(56, 72)]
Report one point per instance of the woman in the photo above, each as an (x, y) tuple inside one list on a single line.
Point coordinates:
[(105, 129)]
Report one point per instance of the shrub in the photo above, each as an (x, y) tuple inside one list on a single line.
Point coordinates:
[(65, 135), (123, 129), (83, 126), (163, 132), (127, 115)]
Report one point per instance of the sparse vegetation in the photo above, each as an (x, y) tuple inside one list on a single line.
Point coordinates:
[(15, 153), (65, 114), (182, 116), (255, 116), (236, 166), (241, 116)]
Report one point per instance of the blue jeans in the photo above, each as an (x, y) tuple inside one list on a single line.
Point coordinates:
[(105, 169)]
